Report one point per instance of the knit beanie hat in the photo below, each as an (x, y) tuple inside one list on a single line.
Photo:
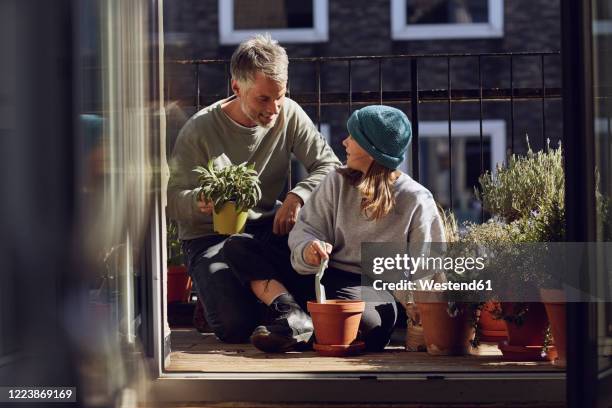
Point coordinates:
[(384, 132)]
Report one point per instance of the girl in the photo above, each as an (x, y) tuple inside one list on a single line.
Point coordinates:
[(368, 200)]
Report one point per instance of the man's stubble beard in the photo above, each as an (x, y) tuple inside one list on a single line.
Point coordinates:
[(255, 119)]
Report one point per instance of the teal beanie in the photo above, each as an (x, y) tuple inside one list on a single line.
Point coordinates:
[(384, 132)]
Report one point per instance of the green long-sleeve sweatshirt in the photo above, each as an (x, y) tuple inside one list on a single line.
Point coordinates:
[(211, 133)]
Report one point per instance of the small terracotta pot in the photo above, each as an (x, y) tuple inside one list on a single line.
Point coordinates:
[(179, 284), (526, 340), (491, 329), (533, 329), (446, 335), (554, 303), (336, 321)]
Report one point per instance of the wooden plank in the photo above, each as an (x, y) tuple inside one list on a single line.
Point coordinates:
[(195, 352)]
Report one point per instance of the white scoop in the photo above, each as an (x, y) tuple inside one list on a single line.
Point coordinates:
[(319, 288)]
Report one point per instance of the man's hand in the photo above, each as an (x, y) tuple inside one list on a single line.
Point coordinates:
[(204, 206), (315, 251), (287, 214)]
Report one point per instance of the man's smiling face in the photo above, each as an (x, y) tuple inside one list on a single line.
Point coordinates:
[(262, 101)]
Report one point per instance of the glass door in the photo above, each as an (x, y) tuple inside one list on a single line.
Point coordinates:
[(601, 18), (587, 48)]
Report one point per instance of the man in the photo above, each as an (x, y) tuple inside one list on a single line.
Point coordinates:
[(259, 125)]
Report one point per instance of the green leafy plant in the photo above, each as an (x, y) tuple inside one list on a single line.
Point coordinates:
[(527, 201), (174, 248), (233, 183), (528, 184)]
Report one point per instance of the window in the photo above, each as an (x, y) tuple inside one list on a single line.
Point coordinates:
[(446, 19), (435, 158), (287, 21)]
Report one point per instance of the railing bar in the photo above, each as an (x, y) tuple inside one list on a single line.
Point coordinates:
[(512, 103), (380, 81), (544, 144), (318, 80), (399, 97), (197, 75), (374, 57), (481, 138), (350, 88), (289, 175), (450, 143), (227, 79), (414, 105)]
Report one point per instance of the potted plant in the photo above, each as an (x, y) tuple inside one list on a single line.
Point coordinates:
[(179, 282), (527, 198), (493, 236), (449, 327), (233, 190), (336, 321), (336, 324)]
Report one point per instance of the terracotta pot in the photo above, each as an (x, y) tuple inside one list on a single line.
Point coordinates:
[(228, 221), (179, 284), (336, 321), (525, 341), (554, 303), (491, 329), (445, 335), (415, 340), (533, 329)]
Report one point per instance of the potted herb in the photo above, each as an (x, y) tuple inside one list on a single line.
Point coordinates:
[(335, 321), (448, 326), (179, 282), (233, 190), (527, 197), (492, 235)]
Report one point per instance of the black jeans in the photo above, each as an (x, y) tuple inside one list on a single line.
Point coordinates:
[(222, 268)]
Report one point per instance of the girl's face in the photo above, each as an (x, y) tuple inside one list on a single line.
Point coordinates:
[(356, 157)]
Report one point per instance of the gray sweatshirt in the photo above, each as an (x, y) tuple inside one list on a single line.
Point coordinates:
[(333, 215), (211, 133)]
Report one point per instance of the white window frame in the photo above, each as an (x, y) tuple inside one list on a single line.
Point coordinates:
[(400, 30), (319, 33), (494, 129)]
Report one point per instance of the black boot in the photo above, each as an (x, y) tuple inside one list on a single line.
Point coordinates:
[(290, 327)]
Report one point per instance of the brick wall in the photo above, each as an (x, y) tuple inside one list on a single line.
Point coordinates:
[(363, 27)]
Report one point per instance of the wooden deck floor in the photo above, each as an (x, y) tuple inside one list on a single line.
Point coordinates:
[(196, 352)]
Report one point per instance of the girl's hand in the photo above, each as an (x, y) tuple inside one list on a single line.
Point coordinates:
[(315, 251)]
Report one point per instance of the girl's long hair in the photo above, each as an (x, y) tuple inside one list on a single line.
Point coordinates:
[(376, 188)]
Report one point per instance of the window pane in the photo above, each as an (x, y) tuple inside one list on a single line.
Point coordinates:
[(435, 173), (270, 14), (446, 11)]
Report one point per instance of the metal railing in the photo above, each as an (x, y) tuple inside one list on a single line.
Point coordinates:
[(414, 96)]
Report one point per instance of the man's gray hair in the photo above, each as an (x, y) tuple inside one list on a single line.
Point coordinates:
[(259, 54)]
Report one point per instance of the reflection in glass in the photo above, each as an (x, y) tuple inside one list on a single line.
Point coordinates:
[(114, 156)]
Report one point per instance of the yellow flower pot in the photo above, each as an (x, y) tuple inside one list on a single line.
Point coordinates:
[(228, 221)]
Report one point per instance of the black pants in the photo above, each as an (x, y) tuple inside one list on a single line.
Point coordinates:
[(253, 259), (223, 268)]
